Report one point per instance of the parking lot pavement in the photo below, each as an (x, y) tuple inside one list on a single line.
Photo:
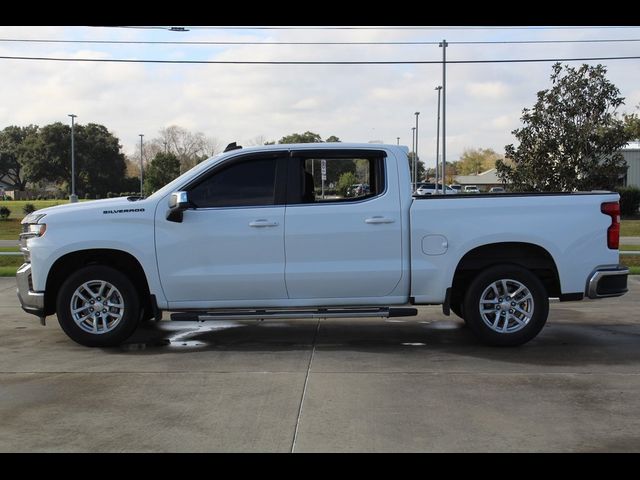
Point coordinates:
[(407, 384)]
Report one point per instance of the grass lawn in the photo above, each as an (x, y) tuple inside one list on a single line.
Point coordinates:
[(631, 261), (630, 228), (9, 265), (629, 248), (10, 229), (16, 206)]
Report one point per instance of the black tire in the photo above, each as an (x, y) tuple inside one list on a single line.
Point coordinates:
[(518, 329), (119, 327)]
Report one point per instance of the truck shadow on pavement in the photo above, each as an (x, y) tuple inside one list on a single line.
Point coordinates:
[(574, 343)]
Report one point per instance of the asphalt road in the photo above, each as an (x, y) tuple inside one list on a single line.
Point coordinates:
[(418, 384)]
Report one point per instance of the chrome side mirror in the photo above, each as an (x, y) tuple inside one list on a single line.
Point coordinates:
[(178, 203)]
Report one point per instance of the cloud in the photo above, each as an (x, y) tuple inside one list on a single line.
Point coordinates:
[(237, 102), (489, 90)]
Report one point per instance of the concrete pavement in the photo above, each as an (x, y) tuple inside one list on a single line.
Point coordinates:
[(408, 384)]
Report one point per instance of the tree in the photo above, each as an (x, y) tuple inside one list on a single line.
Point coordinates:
[(306, 137), (632, 125), (190, 148), (571, 137), (476, 160), (100, 165), (344, 183), (15, 143), (333, 139), (421, 170), (163, 168)]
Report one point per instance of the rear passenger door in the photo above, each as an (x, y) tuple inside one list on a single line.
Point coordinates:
[(343, 229)]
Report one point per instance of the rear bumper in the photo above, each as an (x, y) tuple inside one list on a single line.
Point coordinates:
[(32, 302), (608, 281)]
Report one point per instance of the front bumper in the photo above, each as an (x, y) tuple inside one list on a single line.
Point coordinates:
[(32, 302), (608, 281)]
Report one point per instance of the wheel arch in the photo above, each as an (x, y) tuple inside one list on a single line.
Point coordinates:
[(527, 255), (117, 259)]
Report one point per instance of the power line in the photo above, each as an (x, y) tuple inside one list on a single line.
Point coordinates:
[(230, 42), (313, 62), (485, 27)]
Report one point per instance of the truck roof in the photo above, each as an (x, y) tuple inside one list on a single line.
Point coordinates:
[(323, 145)]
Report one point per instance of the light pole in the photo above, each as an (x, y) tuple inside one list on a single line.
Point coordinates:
[(398, 139), (73, 198), (141, 170), (413, 149), (444, 189), (415, 160), (444, 45)]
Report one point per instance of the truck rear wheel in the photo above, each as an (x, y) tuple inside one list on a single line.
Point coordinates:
[(506, 305), (98, 306)]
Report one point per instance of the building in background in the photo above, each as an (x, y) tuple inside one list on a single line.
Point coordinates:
[(484, 181), (631, 154)]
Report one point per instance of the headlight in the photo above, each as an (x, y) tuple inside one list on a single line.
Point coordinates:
[(31, 229), (36, 230)]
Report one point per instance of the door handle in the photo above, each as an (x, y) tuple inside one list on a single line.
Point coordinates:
[(263, 223), (378, 219)]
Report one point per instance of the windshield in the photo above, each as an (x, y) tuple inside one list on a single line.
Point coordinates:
[(169, 187)]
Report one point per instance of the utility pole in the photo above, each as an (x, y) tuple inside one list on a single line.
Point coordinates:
[(141, 168), (415, 160), (444, 44), (73, 198), (413, 150), (444, 188)]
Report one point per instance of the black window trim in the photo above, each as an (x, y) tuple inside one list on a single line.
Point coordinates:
[(280, 189), (293, 185)]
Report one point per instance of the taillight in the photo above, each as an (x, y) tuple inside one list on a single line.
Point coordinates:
[(613, 232)]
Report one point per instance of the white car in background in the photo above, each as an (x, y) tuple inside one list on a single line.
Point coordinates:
[(430, 189), (471, 189)]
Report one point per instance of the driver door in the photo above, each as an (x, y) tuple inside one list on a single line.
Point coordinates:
[(230, 246)]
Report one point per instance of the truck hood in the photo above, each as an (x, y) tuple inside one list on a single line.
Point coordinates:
[(109, 205)]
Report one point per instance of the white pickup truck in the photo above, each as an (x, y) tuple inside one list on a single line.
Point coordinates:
[(267, 232)]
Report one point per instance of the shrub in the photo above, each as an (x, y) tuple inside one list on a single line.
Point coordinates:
[(4, 213), (28, 208), (629, 200)]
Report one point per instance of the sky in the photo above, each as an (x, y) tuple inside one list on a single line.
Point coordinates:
[(357, 103)]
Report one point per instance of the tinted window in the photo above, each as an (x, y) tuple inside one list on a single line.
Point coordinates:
[(247, 183)]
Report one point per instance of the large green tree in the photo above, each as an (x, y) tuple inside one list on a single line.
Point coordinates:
[(163, 168), (15, 143), (571, 137), (100, 165)]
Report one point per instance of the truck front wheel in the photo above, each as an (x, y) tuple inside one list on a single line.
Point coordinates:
[(506, 305), (98, 306)]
